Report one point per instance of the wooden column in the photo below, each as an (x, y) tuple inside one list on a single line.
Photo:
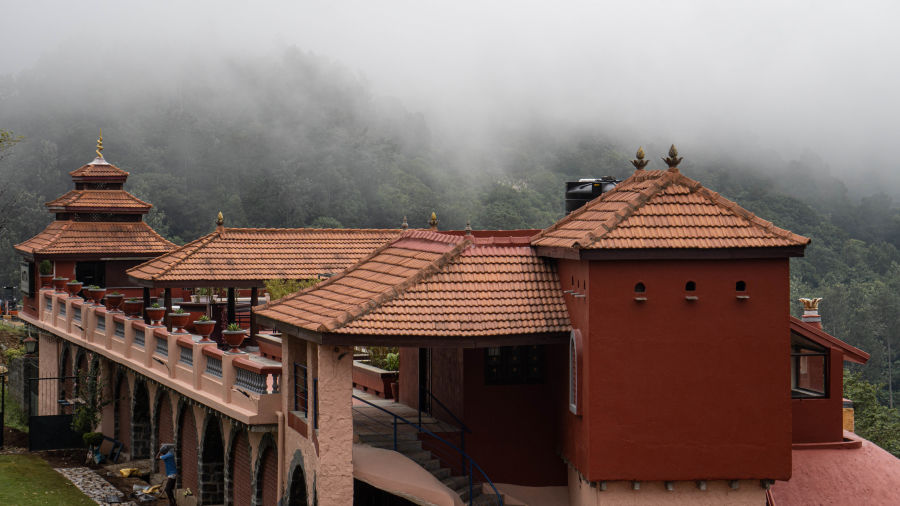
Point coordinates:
[(167, 298), (231, 306), (254, 300), (146, 304)]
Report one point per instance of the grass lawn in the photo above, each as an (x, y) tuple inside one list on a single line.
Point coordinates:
[(26, 480)]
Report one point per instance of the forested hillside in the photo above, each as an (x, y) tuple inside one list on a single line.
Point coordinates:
[(297, 140)]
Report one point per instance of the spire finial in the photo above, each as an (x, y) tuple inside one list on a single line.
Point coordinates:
[(404, 225), (468, 227), (100, 145), (640, 163), (673, 159), (810, 304), (220, 220), (433, 222)]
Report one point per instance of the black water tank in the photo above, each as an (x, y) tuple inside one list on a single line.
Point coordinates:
[(579, 193)]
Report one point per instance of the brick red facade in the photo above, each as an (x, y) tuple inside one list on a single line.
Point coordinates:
[(123, 411), (240, 470), (267, 477), (165, 431), (187, 443)]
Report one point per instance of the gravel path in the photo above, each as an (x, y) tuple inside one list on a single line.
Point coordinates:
[(92, 484)]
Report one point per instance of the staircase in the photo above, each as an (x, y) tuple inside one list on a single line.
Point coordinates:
[(409, 445)]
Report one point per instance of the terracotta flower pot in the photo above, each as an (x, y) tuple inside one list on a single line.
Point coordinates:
[(46, 280), (133, 307), (60, 284), (74, 288), (113, 301), (234, 338), (156, 315), (204, 329), (96, 295), (179, 320)]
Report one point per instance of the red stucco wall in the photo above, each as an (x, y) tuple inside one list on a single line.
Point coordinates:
[(679, 390), (821, 420)]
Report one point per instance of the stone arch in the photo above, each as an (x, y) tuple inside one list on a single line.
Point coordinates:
[(140, 422), (265, 475), (122, 409), (212, 462), (81, 368), (163, 423), (296, 493), (238, 480), (66, 384), (186, 448)]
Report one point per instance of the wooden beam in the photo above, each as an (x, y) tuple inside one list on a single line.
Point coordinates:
[(146, 305), (231, 305), (167, 298)]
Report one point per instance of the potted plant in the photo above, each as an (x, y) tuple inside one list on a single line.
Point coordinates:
[(113, 301), (46, 270), (234, 336), (133, 306), (156, 313), (74, 287), (179, 319), (96, 294), (204, 327), (59, 283)]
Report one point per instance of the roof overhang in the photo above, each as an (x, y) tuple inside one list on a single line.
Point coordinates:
[(819, 336), (197, 283), (417, 341), (669, 253)]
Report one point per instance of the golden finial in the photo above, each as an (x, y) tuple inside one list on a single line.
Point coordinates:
[(673, 159), (810, 304), (100, 145), (404, 225), (640, 163), (468, 228), (433, 222), (220, 220)]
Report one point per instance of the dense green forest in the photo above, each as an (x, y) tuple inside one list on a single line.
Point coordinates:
[(298, 140)]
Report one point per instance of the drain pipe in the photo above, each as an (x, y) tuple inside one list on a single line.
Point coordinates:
[(280, 416)]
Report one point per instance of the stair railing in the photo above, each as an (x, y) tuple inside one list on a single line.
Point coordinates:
[(470, 466), (462, 426)]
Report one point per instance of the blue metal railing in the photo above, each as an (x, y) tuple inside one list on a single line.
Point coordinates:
[(470, 465), (462, 426)]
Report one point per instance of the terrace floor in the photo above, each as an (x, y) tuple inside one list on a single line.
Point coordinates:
[(370, 420)]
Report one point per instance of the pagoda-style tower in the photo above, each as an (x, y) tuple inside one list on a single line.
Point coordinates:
[(97, 234)]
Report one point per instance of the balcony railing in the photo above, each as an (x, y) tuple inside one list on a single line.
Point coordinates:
[(244, 387)]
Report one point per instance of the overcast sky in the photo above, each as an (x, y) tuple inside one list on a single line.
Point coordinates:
[(799, 76)]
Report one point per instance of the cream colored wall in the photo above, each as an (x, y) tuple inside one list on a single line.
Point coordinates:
[(335, 476), (620, 493)]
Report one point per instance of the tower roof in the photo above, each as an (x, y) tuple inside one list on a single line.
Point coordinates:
[(663, 209), (81, 238), (99, 201), (98, 169)]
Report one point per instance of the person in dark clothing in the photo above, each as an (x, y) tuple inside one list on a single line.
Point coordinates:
[(167, 455)]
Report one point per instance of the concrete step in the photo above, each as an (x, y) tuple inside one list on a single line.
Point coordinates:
[(431, 465), (464, 491), (403, 445), (456, 482), (418, 456), (486, 500), (441, 473)]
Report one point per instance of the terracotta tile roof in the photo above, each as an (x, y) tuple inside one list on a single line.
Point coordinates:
[(99, 200), (432, 284), (817, 335), (258, 254), (100, 169), (664, 209), (86, 237)]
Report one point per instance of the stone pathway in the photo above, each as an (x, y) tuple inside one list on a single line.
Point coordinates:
[(92, 485)]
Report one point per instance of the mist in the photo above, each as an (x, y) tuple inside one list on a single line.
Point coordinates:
[(757, 80)]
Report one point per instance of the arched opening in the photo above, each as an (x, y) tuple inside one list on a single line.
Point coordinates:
[(81, 371), (186, 453), (640, 288), (239, 486), (212, 467), (123, 413), (297, 495), (740, 286), (140, 423), (67, 385), (267, 473), (690, 286), (165, 426)]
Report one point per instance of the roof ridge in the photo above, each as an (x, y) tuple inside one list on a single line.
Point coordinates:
[(395, 291), (202, 241), (299, 229)]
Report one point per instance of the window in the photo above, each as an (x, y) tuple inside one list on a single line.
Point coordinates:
[(640, 288), (809, 369), (690, 286), (512, 365), (300, 389), (574, 372), (91, 273), (740, 286)]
